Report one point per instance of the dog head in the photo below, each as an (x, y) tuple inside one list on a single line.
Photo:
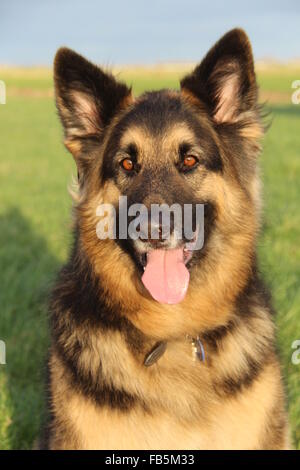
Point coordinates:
[(196, 147)]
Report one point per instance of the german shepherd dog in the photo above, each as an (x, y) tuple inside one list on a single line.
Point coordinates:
[(155, 345)]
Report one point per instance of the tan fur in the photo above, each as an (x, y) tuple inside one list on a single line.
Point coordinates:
[(227, 107), (228, 422), (102, 394), (232, 203), (233, 423), (74, 147)]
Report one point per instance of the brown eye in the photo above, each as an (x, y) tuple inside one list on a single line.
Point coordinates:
[(190, 161), (127, 164)]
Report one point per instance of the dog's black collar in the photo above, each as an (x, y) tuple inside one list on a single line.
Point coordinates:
[(159, 349)]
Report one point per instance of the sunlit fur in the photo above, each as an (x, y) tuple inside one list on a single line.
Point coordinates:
[(104, 322)]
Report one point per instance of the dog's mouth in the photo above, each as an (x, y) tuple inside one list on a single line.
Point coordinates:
[(166, 275)]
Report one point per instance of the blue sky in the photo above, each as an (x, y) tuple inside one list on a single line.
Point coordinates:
[(136, 31)]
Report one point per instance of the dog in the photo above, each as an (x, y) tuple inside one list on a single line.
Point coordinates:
[(156, 345)]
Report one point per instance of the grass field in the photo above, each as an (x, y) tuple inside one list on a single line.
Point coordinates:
[(35, 224)]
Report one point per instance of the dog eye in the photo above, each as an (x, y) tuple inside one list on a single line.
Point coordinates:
[(127, 164), (189, 162)]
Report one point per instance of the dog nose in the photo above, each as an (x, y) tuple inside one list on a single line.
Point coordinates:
[(155, 230)]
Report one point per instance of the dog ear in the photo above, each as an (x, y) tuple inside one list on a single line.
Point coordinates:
[(87, 99), (225, 79)]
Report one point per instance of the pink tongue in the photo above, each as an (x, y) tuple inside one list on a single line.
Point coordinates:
[(166, 276)]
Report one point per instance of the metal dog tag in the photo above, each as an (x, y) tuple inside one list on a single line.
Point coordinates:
[(155, 354)]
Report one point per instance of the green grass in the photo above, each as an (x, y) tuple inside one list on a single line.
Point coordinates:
[(278, 79), (35, 235)]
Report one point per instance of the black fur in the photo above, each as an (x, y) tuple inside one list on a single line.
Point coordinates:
[(88, 100), (231, 55)]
